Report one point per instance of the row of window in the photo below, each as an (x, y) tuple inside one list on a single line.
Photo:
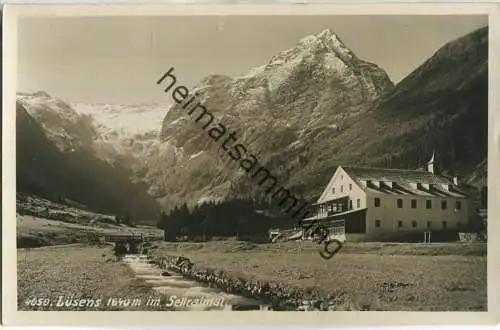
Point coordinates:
[(338, 207), (428, 204), (342, 188), (414, 224)]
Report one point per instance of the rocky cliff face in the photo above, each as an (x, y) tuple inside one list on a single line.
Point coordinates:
[(126, 134), (442, 106), (317, 106), (67, 129), (56, 172), (286, 112), (309, 109)]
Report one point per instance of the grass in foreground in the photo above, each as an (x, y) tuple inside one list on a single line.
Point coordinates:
[(76, 272), (375, 278)]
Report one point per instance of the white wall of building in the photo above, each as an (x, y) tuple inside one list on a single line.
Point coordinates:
[(389, 214), (341, 185)]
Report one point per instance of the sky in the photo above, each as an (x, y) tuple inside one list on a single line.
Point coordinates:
[(119, 59)]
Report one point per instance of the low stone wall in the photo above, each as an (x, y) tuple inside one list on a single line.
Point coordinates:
[(275, 295)]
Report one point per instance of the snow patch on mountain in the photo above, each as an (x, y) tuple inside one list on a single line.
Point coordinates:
[(125, 119), (196, 155), (281, 74), (61, 123), (39, 102), (208, 199), (332, 62), (282, 65), (283, 111)]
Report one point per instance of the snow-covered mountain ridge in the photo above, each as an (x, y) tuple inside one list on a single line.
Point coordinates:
[(308, 109)]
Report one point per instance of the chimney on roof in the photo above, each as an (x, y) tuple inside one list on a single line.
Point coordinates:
[(455, 180)]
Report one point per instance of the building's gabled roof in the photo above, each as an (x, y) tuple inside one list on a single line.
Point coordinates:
[(395, 175), (404, 182)]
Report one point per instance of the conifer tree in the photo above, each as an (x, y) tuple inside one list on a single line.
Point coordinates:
[(127, 219)]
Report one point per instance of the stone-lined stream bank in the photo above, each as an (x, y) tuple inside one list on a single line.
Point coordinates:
[(182, 293), (240, 293)]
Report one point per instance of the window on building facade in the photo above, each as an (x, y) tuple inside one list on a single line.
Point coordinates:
[(377, 202), (429, 224), (358, 203), (444, 224), (458, 205), (428, 204), (341, 177), (377, 223), (333, 190), (341, 188), (350, 204), (350, 186), (443, 205), (400, 203), (400, 224), (414, 224), (413, 203)]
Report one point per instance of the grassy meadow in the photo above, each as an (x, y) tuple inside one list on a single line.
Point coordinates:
[(76, 272), (368, 276), (373, 276)]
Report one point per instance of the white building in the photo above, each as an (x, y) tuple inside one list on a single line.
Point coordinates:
[(361, 201)]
